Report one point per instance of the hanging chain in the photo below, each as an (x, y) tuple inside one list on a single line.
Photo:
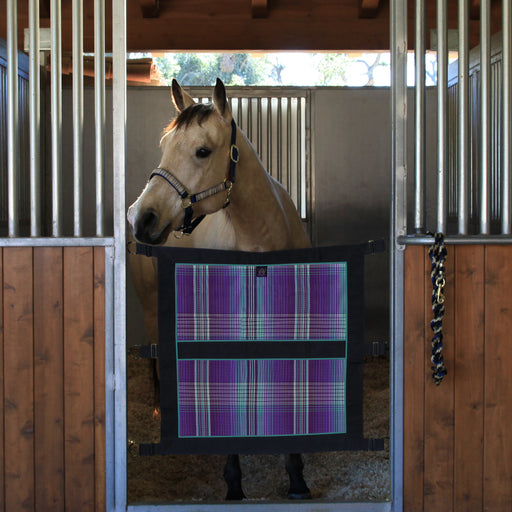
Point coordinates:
[(437, 253)]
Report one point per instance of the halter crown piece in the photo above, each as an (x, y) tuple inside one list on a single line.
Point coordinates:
[(188, 199)]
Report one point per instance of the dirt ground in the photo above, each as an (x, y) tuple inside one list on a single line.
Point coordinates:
[(340, 476)]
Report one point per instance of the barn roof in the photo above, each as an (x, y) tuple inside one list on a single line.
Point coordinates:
[(329, 25)]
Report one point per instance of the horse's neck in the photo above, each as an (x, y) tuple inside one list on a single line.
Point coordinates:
[(263, 218)]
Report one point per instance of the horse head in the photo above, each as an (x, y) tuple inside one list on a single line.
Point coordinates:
[(195, 173)]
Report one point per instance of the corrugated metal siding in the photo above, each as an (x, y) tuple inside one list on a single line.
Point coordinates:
[(24, 169), (475, 134)]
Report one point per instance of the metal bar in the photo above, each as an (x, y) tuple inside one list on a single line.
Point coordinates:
[(464, 158), (457, 239), (506, 108), (300, 167), (266, 507), (289, 177), (35, 119), (269, 136), (110, 433), (279, 133), (485, 95), (56, 242), (259, 127), (78, 113), (419, 119), (398, 45), (442, 112), (119, 166), (99, 110), (12, 117), (56, 114)]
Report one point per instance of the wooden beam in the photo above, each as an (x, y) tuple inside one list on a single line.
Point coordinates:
[(150, 8), (369, 8), (259, 8), (44, 9), (474, 10)]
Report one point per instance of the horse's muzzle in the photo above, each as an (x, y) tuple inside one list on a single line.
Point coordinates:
[(145, 228)]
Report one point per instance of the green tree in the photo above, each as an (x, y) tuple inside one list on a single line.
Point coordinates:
[(204, 68)]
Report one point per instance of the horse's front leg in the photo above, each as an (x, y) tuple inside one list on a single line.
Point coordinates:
[(233, 477), (298, 487)]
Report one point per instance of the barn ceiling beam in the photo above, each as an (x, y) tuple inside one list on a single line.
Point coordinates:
[(369, 8), (44, 9), (259, 8), (150, 8), (474, 10)]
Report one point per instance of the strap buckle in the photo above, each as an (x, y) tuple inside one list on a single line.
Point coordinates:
[(234, 153)]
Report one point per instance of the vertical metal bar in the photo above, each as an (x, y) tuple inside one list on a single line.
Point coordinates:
[(269, 136), (119, 166), (442, 112), (485, 94), (78, 113), (279, 133), (56, 114), (289, 178), (398, 44), (419, 119), (464, 161), (12, 117), (35, 119), (259, 126), (99, 110), (300, 167), (110, 433), (506, 108)]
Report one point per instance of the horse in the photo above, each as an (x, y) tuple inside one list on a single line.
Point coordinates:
[(212, 191)]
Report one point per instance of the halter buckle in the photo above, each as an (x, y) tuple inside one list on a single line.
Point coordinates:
[(186, 202), (234, 154)]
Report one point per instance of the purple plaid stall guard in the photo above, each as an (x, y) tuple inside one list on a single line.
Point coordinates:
[(295, 302), (255, 303), (245, 398)]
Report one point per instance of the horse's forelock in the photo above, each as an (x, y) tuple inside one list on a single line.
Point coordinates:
[(198, 112)]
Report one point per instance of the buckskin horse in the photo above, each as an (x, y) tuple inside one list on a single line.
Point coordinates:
[(212, 191)]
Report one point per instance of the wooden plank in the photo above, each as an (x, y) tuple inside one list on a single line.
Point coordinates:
[(369, 8), (414, 382), (48, 375), (18, 379), (469, 377), (498, 380), (79, 378), (99, 378), (259, 8), (150, 8), (439, 403), (2, 403)]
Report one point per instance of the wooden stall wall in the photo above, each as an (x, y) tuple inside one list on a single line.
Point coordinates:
[(457, 442), (52, 379)]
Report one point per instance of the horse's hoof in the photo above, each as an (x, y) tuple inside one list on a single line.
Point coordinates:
[(299, 495), (235, 496)]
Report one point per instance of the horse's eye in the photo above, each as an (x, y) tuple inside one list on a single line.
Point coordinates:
[(203, 152)]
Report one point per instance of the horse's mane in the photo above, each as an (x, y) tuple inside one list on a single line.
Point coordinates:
[(198, 111)]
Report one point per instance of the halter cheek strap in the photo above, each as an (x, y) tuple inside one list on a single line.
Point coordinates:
[(187, 199)]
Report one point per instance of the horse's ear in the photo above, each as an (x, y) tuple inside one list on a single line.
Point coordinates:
[(180, 98), (220, 101)]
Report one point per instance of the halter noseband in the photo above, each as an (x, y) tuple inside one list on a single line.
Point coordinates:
[(187, 199)]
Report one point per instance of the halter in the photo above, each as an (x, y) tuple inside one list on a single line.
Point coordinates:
[(188, 199)]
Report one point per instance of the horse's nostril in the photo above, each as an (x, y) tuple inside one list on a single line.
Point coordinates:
[(146, 223)]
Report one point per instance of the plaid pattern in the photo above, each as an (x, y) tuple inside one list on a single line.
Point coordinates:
[(290, 302), (264, 397)]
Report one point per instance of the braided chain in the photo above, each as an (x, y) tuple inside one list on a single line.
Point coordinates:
[(437, 253)]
